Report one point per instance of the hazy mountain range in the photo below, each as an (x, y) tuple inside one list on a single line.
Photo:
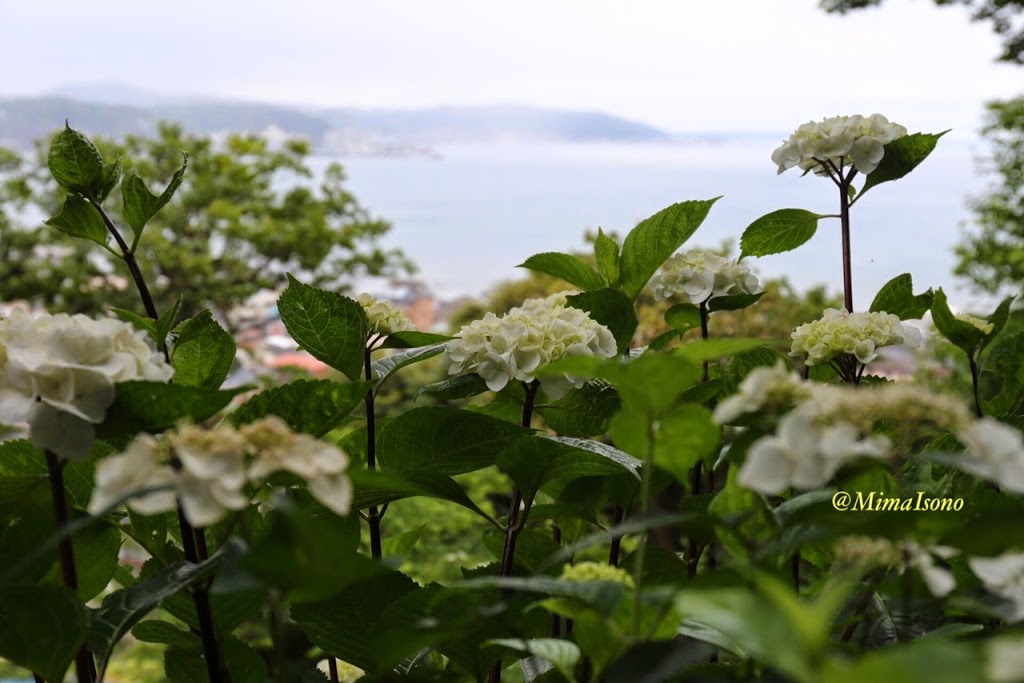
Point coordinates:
[(116, 110)]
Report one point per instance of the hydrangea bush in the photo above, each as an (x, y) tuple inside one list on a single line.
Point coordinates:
[(698, 509)]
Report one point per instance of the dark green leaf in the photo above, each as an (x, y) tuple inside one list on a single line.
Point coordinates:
[(713, 349), (165, 322), (385, 367), (1002, 372), (734, 302), (147, 325), (75, 163), (963, 334), (443, 440), (165, 633), (611, 308), (606, 253), (123, 609), (461, 386), (186, 665), (413, 340), (998, 320), (565, 267), (562, 653), (41, 628), (683, 317), (108, 180), (203, 352), (377, 488), (582, 412), (655, 239), (901, 157), (140, 205), (309, 406), (79, 218), (604, 596), (155, 406), (331, 327), (533, 461), (343, 625), (897, 297), (96, 549), (778, 231)]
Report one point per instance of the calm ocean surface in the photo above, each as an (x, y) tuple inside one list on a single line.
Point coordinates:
[(469, 218)]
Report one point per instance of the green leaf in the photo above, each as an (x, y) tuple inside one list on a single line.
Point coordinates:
[(685, 435), (166, 322), (413, 339), (603, 596), (683, 317), (963, 334), (96, 549), (778, 231), (331, 327), (1002, 374), (165, 633), (611, 308), (154, 406), (649, 384), (123, 609), (582, 412), (108, 180), (562, 653), (203, 352), (901, 157), (385, 367), (897, 297), (140, 205), (41, 628), (734, 302), (444, 440), (343, 625), (308, 406), (377, 488), (187, 665), (655, 239), (712, 349), (533, 461), (606, 253), (565, 267), (998, 320), (79, 218), (75, 163), (461, 386)]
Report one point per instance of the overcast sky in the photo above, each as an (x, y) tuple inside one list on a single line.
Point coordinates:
[(679, 64)]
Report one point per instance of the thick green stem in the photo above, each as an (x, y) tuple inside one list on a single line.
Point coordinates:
[(85, 667), (373, 514)]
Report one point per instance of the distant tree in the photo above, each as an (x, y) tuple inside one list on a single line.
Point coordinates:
[(992, 257), (246, 213), (1003, 14)]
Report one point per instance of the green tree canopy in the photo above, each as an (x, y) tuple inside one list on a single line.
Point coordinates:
[(1003, 14), (992, 256), (248, 212)]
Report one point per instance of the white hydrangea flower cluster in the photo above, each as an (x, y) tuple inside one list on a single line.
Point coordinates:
[(585, 572), (833, 425), (1003, 576), (995, 452), (775, 387), (698, 276), (384, 318), (857, 140), (515, 345), (858, 334), (214, 467), (57, 373)]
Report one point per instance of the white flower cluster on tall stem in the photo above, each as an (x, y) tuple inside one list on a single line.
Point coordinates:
[(839, 332), (833, 425), (698, 276), (57, 373), (827, 146), (208, 470), (517, 344), (384, 318)]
